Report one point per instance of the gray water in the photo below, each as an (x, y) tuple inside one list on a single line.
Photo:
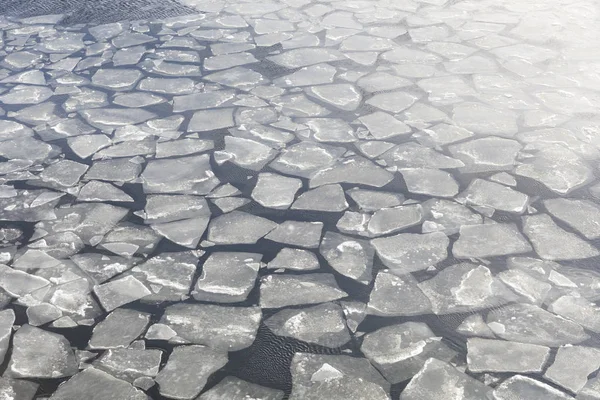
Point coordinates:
[(303, 200)]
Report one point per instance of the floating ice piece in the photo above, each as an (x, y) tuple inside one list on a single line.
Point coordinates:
[(102, 267), (297, 233), (7, 319), (414, 155), (295, 260), (18, 283), (349, 256), (116, 79), (520, 387), (526, 285), (65, 173), (449, 383), (17, 389), (275, 191), (94, 384), (410, 252), (394, 102), (111, 118), (486, 355), (581, 215), (474, 325), (465, 288), (394, 296), (297, 105), (10, 130), (485, 120), (232, 388), (371, 200), (400, 351), (577, 309), (238, 77), (343, 96), (168, 275), (557, 168), (225, 61), (85, 146), (297, 58), (182, 147), (431, 182), (475, 64), (304, 158), (489, 240), (25, 94), (391, 220), (406, 55), (227, 277), (528, 323), (329, 198), (210, 120), (382, 125), (573, 375), (553, 243), (41, 354), (129, 39), (25, 148), (102, 191), (353, 170), (278, 291), (118, 329), (167, 208), (138, 100), (202, 101), (312, 75), (239, 228), (186, 175), (245, 153), (382, 81), (442, 134), (130, 364), (173, 86), (323, 325), (486, 154), (312, 372), (120, 291), (330, 130), (218, 327)]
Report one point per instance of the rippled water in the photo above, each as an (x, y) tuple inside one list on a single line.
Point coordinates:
[(305, 200)]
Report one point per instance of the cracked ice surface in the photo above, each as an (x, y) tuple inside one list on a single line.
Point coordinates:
[(300, 199)]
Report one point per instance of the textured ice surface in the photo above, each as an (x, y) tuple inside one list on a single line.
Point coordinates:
[(382, 183)]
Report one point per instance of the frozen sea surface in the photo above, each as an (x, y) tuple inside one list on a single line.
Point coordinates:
[(297, 199)]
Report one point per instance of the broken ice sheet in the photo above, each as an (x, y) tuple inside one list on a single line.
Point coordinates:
[(322, 324), (94, 384), (465, 288), (481, 241), (485, 355), (297, 233), (294, 259), (187, 175), (275, 191), (167, 275), (38, 353), (348, 256), (450, 383), (232, 388), (120, 291), (394, 295), (277, 291), (118, 329), (553, 243), (219, 327), (227, 277), (239, 228), (410, 252), (399, 351), (319, 376)]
